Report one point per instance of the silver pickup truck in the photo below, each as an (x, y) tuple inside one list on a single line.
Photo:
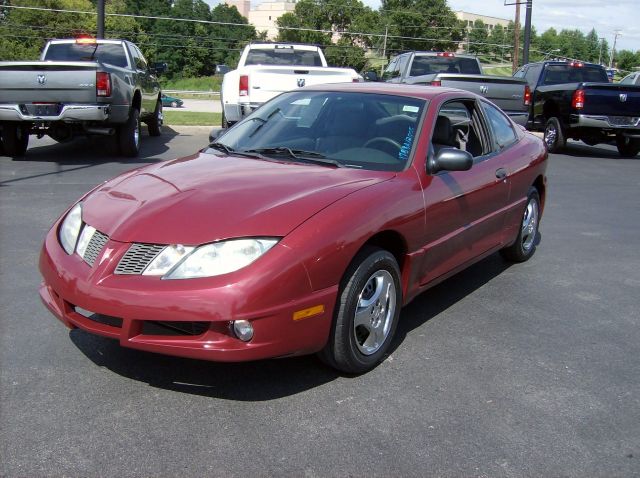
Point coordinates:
[(464, 72), (79, 87)]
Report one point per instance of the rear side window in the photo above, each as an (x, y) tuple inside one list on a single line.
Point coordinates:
[(427, 65), (503, 132), (283, 56), (111, 53), (558, 74)]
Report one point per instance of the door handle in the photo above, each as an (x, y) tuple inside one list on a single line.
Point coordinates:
[(501, 173)]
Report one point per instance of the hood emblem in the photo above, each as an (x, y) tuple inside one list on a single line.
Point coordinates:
[(301, 82), (623, 97), (41, 79)]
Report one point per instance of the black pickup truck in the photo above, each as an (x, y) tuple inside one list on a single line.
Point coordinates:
[(572, 99)]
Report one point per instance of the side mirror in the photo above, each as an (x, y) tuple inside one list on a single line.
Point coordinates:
[(159, 68), (215, 134), (371, 76), (449, 159)]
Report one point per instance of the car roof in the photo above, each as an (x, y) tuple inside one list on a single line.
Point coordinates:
[(416, 91)]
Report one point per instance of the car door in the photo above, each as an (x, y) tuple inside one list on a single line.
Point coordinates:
[(464, 209), (144, 79)]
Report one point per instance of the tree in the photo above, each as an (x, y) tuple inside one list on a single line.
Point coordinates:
[(627, 60), (478, 38)]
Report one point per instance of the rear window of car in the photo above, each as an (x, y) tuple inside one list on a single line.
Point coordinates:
[(427, 65), (283, 56), (557, 74), (111, 53)]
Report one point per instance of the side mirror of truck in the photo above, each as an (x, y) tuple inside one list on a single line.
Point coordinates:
[(371, 76), (159, 68)]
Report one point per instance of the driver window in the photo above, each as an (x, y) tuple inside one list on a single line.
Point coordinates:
[(459, 125)]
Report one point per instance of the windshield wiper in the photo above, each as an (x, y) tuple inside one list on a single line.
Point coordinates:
[(298, 155), (232, 152)]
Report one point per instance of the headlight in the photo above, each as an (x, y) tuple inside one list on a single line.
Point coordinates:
[(221, 258), (167, 259), (70, 228)]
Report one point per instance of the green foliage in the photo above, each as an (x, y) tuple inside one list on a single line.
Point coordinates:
[(627, 60), (479, 38), (202, 83), (191, 118)]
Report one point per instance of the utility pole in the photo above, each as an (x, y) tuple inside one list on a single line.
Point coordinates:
[(384, 46), (613, 50), (516, 40), (600, 54), (100, 6), (527, 33)]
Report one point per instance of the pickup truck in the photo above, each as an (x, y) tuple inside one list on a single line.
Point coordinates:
[(81, 86), (463, 72), (267, 69), (572, 99)]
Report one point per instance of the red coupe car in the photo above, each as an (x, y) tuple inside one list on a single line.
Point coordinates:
[(304, 228)]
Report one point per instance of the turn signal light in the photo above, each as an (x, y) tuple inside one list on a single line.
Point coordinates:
[(244, 85), (577, 101), (527, 95), (103, 83)]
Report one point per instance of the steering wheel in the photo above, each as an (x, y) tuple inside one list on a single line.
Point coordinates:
[(385, 142)]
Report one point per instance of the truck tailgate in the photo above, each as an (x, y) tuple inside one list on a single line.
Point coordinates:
[(608, 99), (265, 82), (48, 82), (505, 92)]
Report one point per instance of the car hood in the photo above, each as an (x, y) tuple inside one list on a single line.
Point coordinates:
[(207, 197)]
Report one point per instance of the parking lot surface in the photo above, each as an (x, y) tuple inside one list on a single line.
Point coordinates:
[(502, 370)]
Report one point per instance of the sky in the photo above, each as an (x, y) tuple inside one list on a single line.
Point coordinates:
[(606, 16)]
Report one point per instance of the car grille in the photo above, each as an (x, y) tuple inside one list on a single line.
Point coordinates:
[(174, 328), (138, 257), (96, 243)]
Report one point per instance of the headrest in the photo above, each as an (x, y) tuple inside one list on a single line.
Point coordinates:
[(443, 132)]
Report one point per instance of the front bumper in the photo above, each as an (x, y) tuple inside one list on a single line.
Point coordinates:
[(68, 113), (136, 306)]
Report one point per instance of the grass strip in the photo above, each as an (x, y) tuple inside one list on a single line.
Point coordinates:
[(191, 118)]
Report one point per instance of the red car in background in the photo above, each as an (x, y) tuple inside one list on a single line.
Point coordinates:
[(304, 228)]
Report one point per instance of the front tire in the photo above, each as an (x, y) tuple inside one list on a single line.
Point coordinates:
[(155, 124), (554, 136), (15, 139), (366, 314), (174, 104), (129, 135), (627, 147), (525, 245)]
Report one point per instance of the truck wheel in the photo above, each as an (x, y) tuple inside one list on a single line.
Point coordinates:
[(225, 123), (554, 136), (129, 135), (627, 147), (155, 124), (15, 140)]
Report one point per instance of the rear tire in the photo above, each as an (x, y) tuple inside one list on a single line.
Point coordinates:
[(554, 136), (366, 314), (155, 124), (15, 139), (225, 123), (627, 147), (525, 245), (129, 135)]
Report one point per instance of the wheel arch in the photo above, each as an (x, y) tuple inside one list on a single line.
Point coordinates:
[(540, 185), (136, 102)]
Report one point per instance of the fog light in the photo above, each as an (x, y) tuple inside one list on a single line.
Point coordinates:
[(243, 330)]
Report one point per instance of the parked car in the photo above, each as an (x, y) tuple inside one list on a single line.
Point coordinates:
[(171, 101), (81, 86), (631, 79), (460, 71), (267, 69), (305, 228), (572, 99)]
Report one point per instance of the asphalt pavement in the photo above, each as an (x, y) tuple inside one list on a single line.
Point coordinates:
[(201, 106), (502, 370)]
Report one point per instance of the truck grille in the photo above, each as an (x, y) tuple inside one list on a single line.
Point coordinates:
[(138, 257), (96, 243)]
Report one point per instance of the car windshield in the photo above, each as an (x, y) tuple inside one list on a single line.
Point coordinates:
[(111, 53), (349, 129)]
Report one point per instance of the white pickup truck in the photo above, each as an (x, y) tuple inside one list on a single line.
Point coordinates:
[(267, 69)]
